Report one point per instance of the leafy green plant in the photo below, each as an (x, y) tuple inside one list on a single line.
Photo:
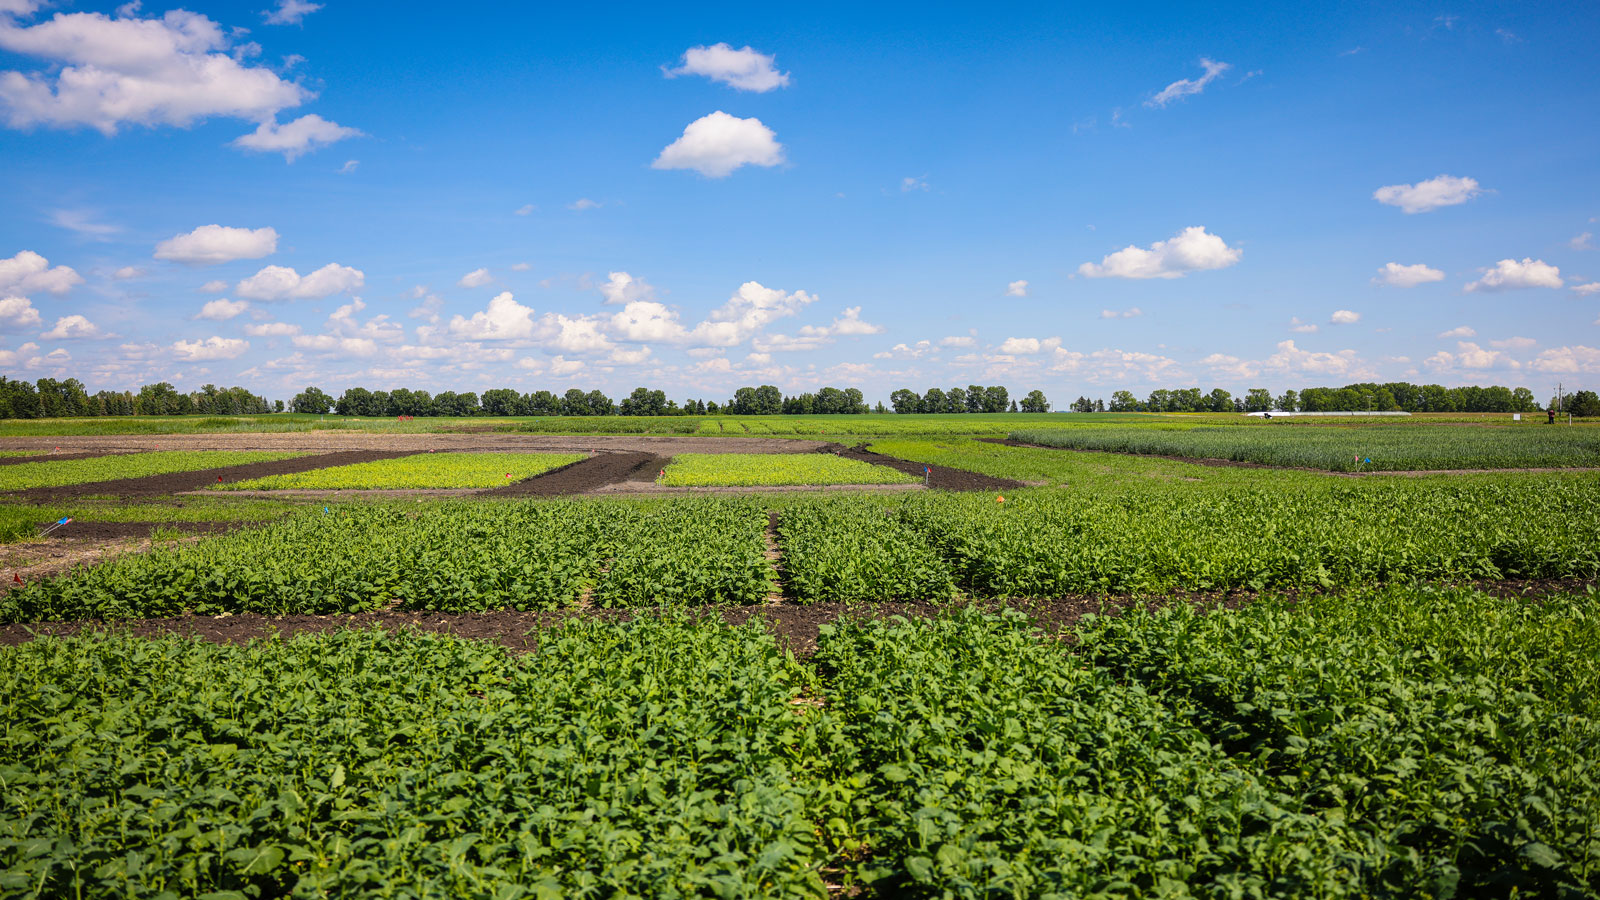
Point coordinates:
[(424, 470), (774, 469), (848, 551), (58, 473)]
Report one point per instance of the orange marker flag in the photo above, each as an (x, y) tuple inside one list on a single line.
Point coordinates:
[(999, 499)]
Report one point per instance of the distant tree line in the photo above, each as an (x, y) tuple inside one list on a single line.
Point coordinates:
[(48, 398), (1394, 396), (746, 401), (974, 398)]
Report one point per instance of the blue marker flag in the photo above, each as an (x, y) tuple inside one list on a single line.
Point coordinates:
[(63, 520)]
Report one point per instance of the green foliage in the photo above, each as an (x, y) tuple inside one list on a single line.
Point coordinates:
[(757, 469), (996, 765), (848, 551), (652, 759), (1391, 447), (1451, 733), (687, 551), (424, 470), (1044, 543), (58, 473)]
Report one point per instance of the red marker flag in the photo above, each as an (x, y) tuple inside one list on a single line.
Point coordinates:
[(15, 578), (219, 479)]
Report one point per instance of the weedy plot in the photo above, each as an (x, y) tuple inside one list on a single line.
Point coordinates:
[(774, 470), (846, 550), (60, 473), (1369, 448), (651, 759), (422, 471)]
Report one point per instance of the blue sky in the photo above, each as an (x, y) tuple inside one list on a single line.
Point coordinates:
[(1073, 199)]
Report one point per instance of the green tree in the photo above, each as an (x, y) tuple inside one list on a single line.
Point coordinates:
[(311, 400), (1035, 402)]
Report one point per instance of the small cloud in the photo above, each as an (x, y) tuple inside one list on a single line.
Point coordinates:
[(1425, 196), (1133, 312), (1344, 317), (583, 203), (520, 267), (716, 144), (294, 139), (209, 245), (475, 278), (349, 166), (1461, 331), (1190, 250), (1017, 289), (1351, 52), (290, 12), (1302, 327), (1583, 241), (1186, 87), (1397, 275), (1508, 274), (210, 348), (222, 310), (127, 272), (81, 222), (1514, 343), (525, 209), (1507, 36), (1587, 290), (909, 183), (272, 329), (70, 328), (742, 69), (213, 287)]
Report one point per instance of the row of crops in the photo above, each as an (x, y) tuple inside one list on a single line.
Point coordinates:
[(538, 554), (767, 469), (420, 471), (56, 473), (1342, 448), (1394, 743)]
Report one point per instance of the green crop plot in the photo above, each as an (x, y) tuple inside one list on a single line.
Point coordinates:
[(59, 473), (845, 551), (422, 471), (1369, 448), (653, 759), (775, 469)]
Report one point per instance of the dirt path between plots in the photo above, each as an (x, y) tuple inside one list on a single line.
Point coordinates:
[(942, 477), (1241, 464), (583, 476), (179, 482), (797, 626)]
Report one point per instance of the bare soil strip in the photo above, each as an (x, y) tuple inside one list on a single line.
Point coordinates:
[(942, 477), (580, 477), (180, 482), (1241, 464)]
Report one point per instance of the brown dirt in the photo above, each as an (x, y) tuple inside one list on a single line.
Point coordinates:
[(582, 476), (942, 478), (179, 482)]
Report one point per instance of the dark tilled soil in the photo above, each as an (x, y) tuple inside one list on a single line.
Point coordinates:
[(583, 476), (49, 457), (943, 477), (114, 530), (178, 482)]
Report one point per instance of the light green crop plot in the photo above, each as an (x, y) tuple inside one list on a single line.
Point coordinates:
[(423, 471), (63, 472), (773, 470)]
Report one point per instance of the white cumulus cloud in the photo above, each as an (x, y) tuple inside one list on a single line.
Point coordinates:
[(1444, 190), (1587, 290), (1470, 357), (1026, 346), (744, 69), (505, 319), (290, 12), (1344, 317), (749, 310), (73, 328), (620, 287), (716, 144), (222, 310), (212, 244), (106, 72), (215, 286), (1133, 312), (284, 283), (1569, 360), (1515, 343), (1508, 274), (1017, 289), (272, 329), (1397, 275), (28, 273), (211, 348), (475, 278), (18, 313), (1191, 250), (1461, 331), (294, 139)]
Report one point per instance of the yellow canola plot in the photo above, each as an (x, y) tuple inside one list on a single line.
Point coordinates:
[(774, 469), (422, 471)]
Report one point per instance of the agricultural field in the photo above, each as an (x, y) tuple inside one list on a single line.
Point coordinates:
[(57, 473), (1119, 676), (422, 471), (1335, 448), (774, 470)]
